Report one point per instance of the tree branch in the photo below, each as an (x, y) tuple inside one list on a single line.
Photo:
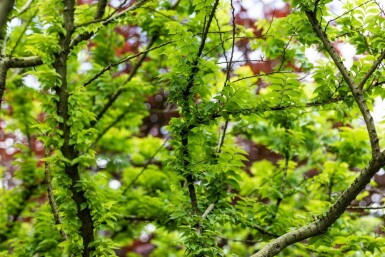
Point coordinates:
[(321, 224), (23, 9), (125, 59), (88, 35), (5, 9), (114, 97), (371, 70), (186, 110), (366, 207), (23, 62), (195, 67), (51, 199), (3, 78), (208, 210), (144, 167), (101, 9), (69, 151), (355, 89)]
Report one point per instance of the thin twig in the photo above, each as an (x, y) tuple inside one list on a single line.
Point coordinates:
[(144, 167), (118, 119), (115, 16), (51, 198), (24, 30), (221, 39), (354, 88), (366, 207), (371, 70), (114, 96), (125, 59), (23, 9), (222, 137), (229, 65), (261, 75), (87, 35), (208, 210), (339, 16), (284, 53)]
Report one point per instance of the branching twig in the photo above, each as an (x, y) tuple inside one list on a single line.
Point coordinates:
[(88, 35), (51, 199), (23, 9), (355, 89), (321, 224), (261, 75), (125, 59), (349, 11), (195, 67), (284, 54), (144, 167), (22, 33), (114, 97), (371, 70)]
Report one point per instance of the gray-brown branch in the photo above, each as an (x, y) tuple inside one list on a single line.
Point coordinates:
[(354, 88), (322, 224)]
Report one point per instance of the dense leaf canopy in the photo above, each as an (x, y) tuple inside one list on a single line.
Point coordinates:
[(192, 128)]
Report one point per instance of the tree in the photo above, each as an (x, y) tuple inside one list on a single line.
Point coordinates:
[(150, 128)]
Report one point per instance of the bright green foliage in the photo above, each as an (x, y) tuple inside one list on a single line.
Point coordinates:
[(244, 157)]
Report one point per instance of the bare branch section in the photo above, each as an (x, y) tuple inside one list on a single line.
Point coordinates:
[(23, 62), (323, 222), (11, 62), (354, 88)]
